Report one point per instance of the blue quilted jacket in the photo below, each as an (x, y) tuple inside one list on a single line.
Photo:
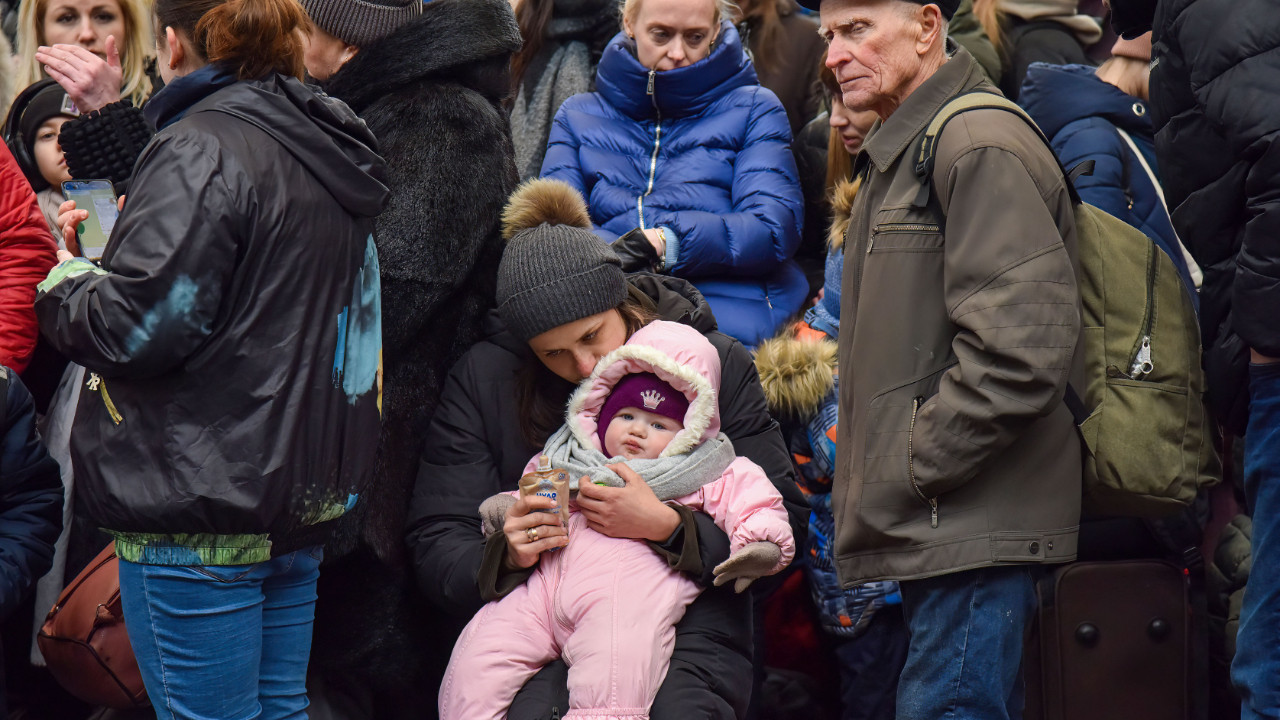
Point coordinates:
[(704, 152), (1080, 113)]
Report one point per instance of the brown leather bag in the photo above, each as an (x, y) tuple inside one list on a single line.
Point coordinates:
[(84, 642)]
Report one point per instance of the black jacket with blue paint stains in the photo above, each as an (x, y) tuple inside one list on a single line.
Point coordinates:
[(233, 336)]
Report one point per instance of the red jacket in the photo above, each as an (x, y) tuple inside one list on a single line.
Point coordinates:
[(27, 252)]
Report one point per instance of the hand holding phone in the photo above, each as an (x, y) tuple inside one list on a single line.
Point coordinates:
[(96, 208)]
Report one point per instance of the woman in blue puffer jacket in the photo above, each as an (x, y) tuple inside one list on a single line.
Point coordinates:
[(686, 165), (1082, 110)]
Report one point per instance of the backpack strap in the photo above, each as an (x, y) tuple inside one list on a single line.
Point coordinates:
[(973, 100)]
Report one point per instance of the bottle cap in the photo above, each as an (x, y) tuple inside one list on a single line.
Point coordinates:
[(544, 463)]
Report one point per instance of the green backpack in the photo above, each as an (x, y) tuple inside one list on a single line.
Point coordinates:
[(1147, 434)]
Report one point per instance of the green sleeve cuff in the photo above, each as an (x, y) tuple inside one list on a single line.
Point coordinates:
[(68, 269), (494, 579), (681, 549)]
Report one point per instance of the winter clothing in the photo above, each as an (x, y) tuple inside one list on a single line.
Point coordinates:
[(965, 29), (555, 270), (361, 22), (791, 69), (961, 320), (948, 7), (1047, 31), (1084, 129), (617, 638), (1216, 138), (705, 156), (645, 391), (476, 446), (26, 254), (169, 447), (30, 500), (431, 93), (565, 66)]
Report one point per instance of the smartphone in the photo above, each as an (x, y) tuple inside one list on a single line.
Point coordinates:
[(98, 197)]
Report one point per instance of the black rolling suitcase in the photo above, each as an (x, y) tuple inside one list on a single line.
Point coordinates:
[(1119, 640)]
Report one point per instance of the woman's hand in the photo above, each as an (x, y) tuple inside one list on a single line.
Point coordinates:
[(632, 511), (68, 219), (657, 240), (91, 81), (523, 546)]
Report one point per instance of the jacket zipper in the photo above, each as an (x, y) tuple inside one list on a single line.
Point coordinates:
[(1142, 364), (899, 228), (911, 466), (96, 384), (657, 144)]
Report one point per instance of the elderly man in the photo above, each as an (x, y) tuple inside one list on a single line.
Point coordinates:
[(958, 465)]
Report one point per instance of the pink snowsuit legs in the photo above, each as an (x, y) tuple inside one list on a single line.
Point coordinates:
[(609, 607)]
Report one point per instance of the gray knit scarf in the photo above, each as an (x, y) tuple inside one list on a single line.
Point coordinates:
[(568, 73), (669, 477)]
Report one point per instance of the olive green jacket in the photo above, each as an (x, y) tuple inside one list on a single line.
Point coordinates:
[(959, 327)]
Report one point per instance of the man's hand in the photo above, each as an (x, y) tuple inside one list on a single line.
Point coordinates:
[(631, 512)]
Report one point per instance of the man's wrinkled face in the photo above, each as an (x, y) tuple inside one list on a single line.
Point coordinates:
[(872, 49)]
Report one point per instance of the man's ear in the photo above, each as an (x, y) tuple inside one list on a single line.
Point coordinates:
[(177, 53), (348, 52), (931, 26)]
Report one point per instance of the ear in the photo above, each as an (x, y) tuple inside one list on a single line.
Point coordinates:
[(348, 52), (931, 26), (177, 53), (628, 28)]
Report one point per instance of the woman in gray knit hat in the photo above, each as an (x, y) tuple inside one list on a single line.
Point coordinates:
[(563, 303)]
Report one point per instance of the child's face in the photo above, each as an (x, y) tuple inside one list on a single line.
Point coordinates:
[(638, 434), (48, 153)]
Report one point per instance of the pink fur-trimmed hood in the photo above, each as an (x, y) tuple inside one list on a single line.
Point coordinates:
[(679, 355)]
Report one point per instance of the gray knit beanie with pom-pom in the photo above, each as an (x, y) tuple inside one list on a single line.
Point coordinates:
[(554, 269)]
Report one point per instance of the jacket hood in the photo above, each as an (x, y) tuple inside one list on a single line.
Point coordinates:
[(624, 82), (1058, 95), (1064, 12), (467, 42), (323, 134), (676, 353), (797, 371)]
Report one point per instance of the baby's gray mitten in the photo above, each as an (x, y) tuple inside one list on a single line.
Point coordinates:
[(493, 512), (752, 561)]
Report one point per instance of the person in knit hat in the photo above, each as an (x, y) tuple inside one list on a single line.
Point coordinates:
[(563, 303), (342, 27), (609, 605)]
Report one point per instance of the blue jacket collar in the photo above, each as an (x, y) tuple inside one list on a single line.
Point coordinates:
[(172, 102), (1058, 95), (623, 82)]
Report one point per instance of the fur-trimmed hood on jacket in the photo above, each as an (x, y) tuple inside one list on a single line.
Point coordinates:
[(679, 356), (798, 366)]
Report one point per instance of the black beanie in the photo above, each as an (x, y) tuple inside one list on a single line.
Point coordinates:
[(361, 22), (48, 103), (948, 7)]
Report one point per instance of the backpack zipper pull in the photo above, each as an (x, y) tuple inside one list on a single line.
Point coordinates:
[(1142, 363)]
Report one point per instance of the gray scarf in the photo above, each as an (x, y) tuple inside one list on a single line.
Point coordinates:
[(669, 477), (568, 73)]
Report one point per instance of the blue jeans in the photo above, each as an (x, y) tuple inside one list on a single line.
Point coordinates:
[(965, 657), (1256, 669), (223, 642)]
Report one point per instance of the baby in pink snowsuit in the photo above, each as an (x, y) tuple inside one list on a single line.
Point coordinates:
[(609, 606)]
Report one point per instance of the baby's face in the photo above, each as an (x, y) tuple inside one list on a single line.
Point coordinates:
[(639, 434)]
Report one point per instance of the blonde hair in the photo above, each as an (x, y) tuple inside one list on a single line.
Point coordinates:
[(725, 10), (991, 18), (135, 46), (1131, 75)]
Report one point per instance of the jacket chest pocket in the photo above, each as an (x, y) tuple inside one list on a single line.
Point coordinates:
[(905, 230)]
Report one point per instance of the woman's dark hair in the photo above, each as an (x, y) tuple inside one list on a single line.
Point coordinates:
[(252, 37), (532, 16), (540, 394)]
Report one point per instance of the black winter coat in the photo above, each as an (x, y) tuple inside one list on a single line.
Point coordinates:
[(234, 331), (431, 93), (476, 448), (1215, 99)]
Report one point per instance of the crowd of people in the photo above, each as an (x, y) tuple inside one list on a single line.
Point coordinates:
[(529, 358)]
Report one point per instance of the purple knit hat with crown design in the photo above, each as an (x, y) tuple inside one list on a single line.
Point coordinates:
[(644, 391)]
